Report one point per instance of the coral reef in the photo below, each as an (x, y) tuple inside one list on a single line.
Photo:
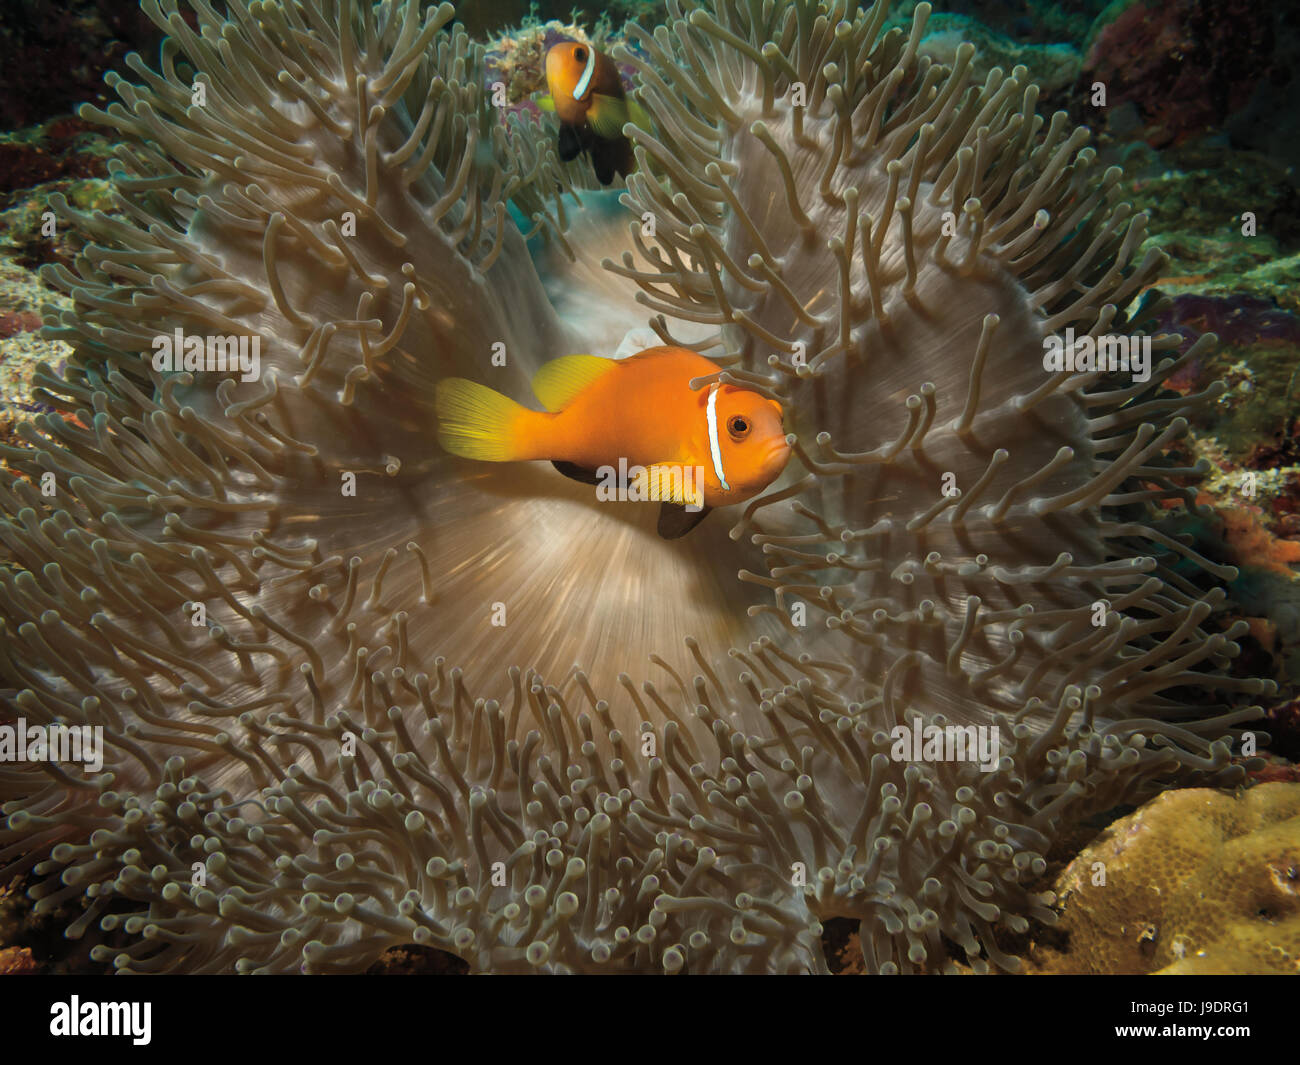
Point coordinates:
[(1185, 65), (54, 56), (517, 57), (1052, 67), (61, 156), (484, 18), (22, 348), (1240, 282), (45, 154), (1248, 439), (1027, 21), (1197, 198), (315, 750), (1196, 881)]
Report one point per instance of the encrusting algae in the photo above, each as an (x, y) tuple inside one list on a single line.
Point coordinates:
[(277, 597)]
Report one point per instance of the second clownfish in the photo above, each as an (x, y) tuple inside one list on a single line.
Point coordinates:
[(586, 94), (639, 412)]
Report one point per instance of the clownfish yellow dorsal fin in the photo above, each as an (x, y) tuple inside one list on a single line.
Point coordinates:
[(561, 380), (669, 482)]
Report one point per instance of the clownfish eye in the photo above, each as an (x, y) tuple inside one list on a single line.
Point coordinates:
[(580, 55), (738, 426)]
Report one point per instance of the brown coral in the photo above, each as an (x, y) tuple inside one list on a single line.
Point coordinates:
[(1196, 881)]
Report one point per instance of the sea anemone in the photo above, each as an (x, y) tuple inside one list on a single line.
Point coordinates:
[(294, 618)]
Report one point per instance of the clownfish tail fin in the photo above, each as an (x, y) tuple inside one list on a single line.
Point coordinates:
[(475, 422)]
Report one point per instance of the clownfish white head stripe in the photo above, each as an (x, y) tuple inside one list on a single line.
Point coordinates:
[(584, 83), (715, 449)]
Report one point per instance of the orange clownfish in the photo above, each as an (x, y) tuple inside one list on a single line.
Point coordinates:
[(586, 94), (688, 450)]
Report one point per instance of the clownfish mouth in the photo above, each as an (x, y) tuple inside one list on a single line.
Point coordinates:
[(777, 449)]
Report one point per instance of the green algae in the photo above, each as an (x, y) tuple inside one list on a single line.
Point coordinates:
[(1196, 198)]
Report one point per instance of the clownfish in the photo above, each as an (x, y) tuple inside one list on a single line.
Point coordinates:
[(586, 94), (691, 450)]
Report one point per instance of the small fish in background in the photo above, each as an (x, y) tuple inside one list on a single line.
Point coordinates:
[(640, 410), (586, 94)]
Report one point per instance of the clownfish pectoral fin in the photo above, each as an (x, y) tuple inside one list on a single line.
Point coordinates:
[(639, 116), (607, 116), (577, 473), (475, 422), (545, 101), (675, 521), (668, 482), (561, 380)]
